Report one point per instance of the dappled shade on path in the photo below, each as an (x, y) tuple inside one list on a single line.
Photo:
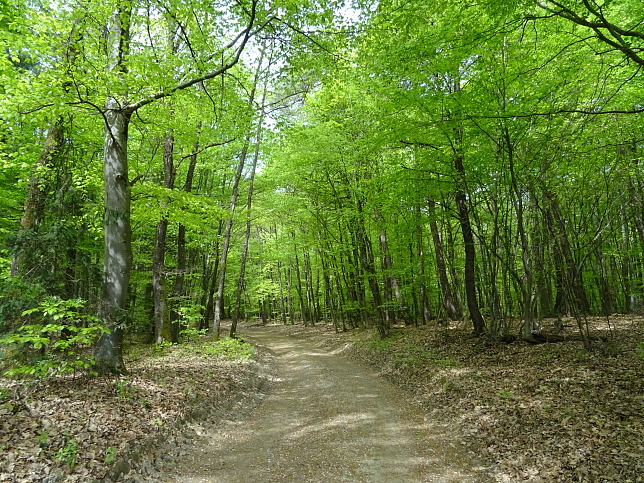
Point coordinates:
[(326, 419)]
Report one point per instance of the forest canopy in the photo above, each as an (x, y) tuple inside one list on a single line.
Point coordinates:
[(169, 164)]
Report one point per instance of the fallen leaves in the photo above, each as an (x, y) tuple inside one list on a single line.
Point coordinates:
[(77, 429), (545, 412)]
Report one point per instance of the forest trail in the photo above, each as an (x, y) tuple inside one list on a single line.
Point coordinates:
[(325, 419)]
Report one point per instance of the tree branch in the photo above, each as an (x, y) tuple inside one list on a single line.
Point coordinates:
[(600, 25), (245, 35), (206, 146)]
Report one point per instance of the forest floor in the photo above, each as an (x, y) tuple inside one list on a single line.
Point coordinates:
[(546, 412), (102, 428), (326, 418)]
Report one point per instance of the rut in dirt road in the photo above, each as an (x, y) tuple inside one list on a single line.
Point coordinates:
[(325, 420)]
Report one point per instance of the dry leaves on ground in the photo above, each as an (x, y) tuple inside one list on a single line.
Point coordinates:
[(76, 430), (545, 412)]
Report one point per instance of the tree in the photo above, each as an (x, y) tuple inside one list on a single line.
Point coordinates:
[(117, 114), (597, 17)]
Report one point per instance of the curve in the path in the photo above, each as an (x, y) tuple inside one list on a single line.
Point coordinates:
[(325, 420)]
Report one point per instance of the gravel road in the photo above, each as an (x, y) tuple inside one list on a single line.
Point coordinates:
[(324, 419)]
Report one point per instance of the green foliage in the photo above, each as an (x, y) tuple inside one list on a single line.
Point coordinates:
[(110, 455), (159, 422), (192, 333), (16, 296), (162, 347), (378, 344), (68, 452), (447, 363), (227, 347), (640, 350), (43, 439), (191, 315), (59, 343), (125, 390)]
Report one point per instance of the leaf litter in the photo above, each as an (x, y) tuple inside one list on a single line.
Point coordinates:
[(88, 429), (546, 412), (532, 412)]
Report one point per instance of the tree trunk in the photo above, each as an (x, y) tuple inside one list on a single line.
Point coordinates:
[(466, 229), (117, 114), (34, 206), (527, 289), (159, 282), (298, 284), (281, 285), (392, 280), (367, 261), (570, 274), (249, 202), (451, 309), (229, 223), (118, 250), (420, 254), (161, 314), (178, 290), (289, 297)]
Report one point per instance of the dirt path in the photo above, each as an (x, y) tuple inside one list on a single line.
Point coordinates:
[(325, 419)]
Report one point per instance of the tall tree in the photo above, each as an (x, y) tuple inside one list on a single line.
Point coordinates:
[(117, 114)]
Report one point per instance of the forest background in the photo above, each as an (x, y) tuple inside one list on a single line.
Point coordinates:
[(167, 165)]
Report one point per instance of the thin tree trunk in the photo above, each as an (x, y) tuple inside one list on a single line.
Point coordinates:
[(308, 283), (298, 285), (451, 309), (289, 298), (368, 263), (34, 206), (392, 279), (573, 286), (420, 255), (249, 202), (466, 228), (178, 290), (229, 223), (281, 285), (161, 314), (527, 289)]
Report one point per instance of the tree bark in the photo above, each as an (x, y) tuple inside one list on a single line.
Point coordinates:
[(229, 224), (420, 254), (527, 288), (118, 250), (34, 206), (249, 202), (392, 280), (298, 284), (466, 229), (117, 114), (117, 262), (161, 314), (178, 290), (451, 308)]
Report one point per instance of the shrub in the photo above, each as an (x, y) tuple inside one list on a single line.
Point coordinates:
[(58, 342)]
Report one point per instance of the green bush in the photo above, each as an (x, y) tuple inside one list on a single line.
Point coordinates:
[(58, 342), (228, 347), (16, 296), (68, 453)]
